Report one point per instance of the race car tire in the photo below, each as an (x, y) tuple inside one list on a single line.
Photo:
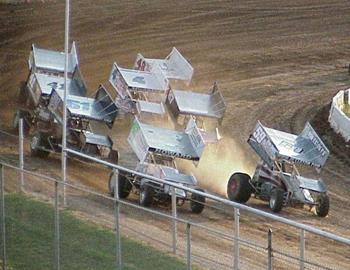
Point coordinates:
[(276, 200), (125, 186), (197, 202), (322, 205), (23, 93), (113, 156), (36, 143), (239, 188), (146, 195)]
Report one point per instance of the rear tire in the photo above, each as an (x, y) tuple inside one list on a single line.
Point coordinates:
[(36, 142), (322, 206), (23, 92), (276, 200), (197, 202), (146, 195), (125, 186), (113, 156), (239, 188), (30, 103)]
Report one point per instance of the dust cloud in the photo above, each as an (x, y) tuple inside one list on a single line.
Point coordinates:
[(217, 164)]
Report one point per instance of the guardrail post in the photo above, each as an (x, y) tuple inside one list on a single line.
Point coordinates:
[(302, 249), (188, 233), (174, 213), (64, 175), (21, 153), (236, 240), (57, 228), (3, 222), (117, 222), (269, 250)]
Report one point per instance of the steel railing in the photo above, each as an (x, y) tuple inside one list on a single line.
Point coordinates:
[(236, 239)]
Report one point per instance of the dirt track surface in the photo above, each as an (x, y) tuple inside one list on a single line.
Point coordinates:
[(275, 61)]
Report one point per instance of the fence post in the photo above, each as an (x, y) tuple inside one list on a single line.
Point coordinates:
[(3, 222), (269, 250), (236, 240), (21, 154), (188, 233), (57, 228), (174, 213), (302, 249), (64, 175), (117, 222)]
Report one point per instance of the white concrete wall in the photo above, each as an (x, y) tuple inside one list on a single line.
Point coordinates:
[(338, 120)]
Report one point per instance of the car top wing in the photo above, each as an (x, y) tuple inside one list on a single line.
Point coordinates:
[(106, 106), (125, 80), (46, 83), (51, 60), (145, 138), (210, 105), (306, 148), (174, 66), (101, 108)]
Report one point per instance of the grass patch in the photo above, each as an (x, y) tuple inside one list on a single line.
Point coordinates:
[(30, 241)]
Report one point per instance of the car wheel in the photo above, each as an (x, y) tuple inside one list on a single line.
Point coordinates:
[(322, 205), (276, 200), (239, 188), (197, 202), (146, 195), (125, 186)]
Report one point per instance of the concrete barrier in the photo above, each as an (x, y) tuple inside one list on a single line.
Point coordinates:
[(338, 120)]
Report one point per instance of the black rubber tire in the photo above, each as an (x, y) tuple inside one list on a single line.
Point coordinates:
[(197, 202), (30, 103), (113, 156), (36, 141), (322, 206), (146, 195), (239, 188), (276, 200), (125, 186), (23, 93)]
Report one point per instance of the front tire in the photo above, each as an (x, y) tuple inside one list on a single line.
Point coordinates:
[(276, 200), (146, 195), (322, 205), (125, 186), (239, 188), (23, 93), (197, 202), (36, 143)]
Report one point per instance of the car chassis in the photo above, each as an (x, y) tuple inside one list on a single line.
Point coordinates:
[(157, 148)]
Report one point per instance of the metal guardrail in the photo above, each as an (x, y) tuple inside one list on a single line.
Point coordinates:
[(222, 200), (236, 239)]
